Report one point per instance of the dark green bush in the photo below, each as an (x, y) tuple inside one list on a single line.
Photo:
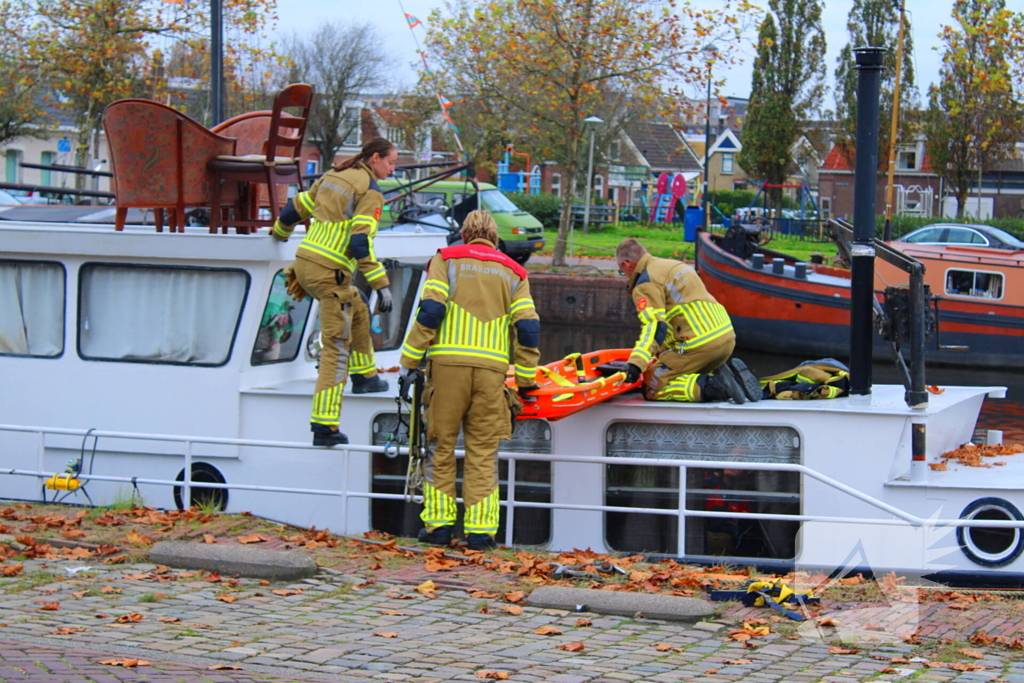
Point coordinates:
[(547, 208), (728, 201)]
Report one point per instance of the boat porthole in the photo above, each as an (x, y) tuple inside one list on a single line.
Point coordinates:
[(206, 499), (987, 546)]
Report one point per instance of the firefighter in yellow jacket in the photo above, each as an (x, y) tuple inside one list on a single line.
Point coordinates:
[(472, 297), (345, 205), (686, 336)]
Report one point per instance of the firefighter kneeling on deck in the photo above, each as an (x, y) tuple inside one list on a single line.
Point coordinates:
[(472, 295), (345, 205), (685, 331)]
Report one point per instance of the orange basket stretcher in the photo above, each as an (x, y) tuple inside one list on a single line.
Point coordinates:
[(574, 383)]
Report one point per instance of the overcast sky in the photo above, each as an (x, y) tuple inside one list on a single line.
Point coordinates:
[(927, 17)]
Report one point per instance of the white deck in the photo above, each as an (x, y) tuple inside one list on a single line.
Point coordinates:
[(861, 442)]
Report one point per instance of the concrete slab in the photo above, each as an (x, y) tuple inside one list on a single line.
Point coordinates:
[(665, 607), (257, 563)]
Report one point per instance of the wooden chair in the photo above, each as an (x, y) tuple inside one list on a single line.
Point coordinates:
[(160, 159), (276, 163)]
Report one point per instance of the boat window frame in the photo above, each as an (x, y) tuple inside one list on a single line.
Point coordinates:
[(302, 332), (234, 337), (64, 309), (683, 491), (973, 297)]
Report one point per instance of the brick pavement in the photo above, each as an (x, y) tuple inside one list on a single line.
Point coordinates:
[(334, 630), (33, 663)]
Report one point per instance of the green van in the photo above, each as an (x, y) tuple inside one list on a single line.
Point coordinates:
[(520, 233)]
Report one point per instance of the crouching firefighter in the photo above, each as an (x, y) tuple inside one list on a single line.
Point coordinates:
[(345, 205), (472, 296), (686, 336)]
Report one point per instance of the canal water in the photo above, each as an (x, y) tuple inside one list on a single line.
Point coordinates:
[(1006, 414)]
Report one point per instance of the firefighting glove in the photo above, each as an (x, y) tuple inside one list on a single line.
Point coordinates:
[(633, 373), (406, 378), (525, 391), (384, 302), (291, 283)]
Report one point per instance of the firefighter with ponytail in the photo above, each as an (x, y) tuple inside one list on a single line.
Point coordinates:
[(345, 205), (473, 297)]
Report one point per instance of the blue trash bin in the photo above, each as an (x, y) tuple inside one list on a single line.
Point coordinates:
[(694, 218)]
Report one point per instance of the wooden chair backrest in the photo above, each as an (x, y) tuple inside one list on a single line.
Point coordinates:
[(288, 129)]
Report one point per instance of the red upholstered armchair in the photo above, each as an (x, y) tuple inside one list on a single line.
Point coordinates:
[(160, 159), (250, 133)]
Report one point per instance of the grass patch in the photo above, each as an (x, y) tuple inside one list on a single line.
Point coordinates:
[(661, 243), (149, 597), (122, 501), (668, 242)]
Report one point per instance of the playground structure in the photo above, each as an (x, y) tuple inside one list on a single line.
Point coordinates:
[(526, 182), (669, 190), (914, 200), (796, 223)]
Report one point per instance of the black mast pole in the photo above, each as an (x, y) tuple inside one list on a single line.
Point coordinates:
[(862, 250), (216, 62)]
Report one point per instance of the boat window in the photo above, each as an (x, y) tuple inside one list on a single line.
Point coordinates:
[(974, 283), (711, 489), (156, 314), (31, 308), (281, 326), (426, 197), (532, 526)]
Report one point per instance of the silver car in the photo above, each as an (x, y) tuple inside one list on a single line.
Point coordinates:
[(963, 234)]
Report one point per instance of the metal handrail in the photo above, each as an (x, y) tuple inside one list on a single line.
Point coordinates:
[(903, 518)]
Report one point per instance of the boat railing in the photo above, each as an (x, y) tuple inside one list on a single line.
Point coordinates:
[(899, 517)]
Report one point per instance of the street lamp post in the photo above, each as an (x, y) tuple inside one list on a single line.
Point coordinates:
[(710, 51), (590, 123), (216, 62)]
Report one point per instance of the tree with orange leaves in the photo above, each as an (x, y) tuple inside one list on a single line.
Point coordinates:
[(89, 53), (535, 69), (974, 117)]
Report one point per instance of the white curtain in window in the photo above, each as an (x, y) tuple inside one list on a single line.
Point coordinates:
[(31, 308), (170, 315)]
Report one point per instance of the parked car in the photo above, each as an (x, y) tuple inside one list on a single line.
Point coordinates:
[(962, 233), (520, 233)]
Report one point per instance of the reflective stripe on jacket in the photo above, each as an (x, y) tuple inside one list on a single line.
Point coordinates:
[(473, 295), (676, 311), (343, 205), (826, 378)]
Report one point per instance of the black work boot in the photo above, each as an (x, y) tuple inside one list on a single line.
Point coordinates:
[(480, 541), (441, 536), (747, 380), (325, 436), (721, 386), (368, 385)]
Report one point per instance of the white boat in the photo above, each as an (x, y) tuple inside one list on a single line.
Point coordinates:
[(153, 340)]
